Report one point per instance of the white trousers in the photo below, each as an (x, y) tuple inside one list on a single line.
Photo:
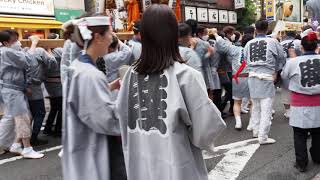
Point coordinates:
[(261, 117), (7, 131)]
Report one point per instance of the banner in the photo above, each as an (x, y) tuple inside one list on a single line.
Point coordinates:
[(270, 10), (27, 7), (238, 4), (290, 11), (190, 13)]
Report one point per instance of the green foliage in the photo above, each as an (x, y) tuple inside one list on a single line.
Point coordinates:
[(247, 15)]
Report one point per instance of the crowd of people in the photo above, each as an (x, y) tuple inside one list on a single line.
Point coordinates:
[(147, 108)]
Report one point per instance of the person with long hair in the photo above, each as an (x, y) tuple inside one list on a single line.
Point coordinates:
[(166, 117), (90, 116), (302, 75)]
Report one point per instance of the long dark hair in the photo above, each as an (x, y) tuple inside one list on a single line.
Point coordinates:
[(159, 38)]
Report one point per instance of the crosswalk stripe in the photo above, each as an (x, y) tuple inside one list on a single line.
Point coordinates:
[(4, 161)]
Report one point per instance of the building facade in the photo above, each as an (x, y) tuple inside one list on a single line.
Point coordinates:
[(38, 17)]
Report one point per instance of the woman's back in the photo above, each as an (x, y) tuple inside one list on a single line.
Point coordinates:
[(166, 119)]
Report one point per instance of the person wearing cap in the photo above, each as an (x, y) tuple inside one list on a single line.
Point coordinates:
[(265, 58), (135, 42), (90, 116), (302, 75)]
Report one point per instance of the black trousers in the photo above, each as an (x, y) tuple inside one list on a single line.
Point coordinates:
[(117, 164), (38, 113), (228, 96), (300, 145), (55, 111)]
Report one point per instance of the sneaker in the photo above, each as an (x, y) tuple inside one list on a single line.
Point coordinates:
[(268, 141), (299, 168), (29, 153), (16, 149), (238, 127), (244, 111), (255, 135), (60, 153), (249, 128)]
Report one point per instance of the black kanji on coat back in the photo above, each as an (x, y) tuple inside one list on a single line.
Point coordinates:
[(258, 51), (310, 72), (147, 105)]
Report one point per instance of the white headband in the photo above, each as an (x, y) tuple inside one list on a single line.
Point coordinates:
[(306, 32), (86, 22)]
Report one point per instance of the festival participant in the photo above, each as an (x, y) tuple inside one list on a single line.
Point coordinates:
[(302, 74), (165, 114), (186, 47), (135, 42), (15, 64), (265, 58), (235, 56), (289, 42), (206, 53), (90, 115)]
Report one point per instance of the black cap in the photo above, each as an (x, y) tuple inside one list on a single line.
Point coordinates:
[(136, 26)]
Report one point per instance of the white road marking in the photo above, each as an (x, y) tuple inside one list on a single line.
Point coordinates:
[(236, 156), (4, 161)]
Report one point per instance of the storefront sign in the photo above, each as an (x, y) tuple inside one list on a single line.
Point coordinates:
[(291, 11), (190, 13), (238, 4), (27, 7), (223, 16), (202, 14), (213, 15), (64, 15), (270, 10), (232, 17)]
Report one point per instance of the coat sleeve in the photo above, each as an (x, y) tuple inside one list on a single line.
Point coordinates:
[(223, 46), (202, 117), (18, 59), (49, 60), (91, 101), (286, 73), (193, 60), (281, 58)]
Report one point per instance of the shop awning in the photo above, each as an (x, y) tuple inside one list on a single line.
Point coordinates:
[(29, 23)]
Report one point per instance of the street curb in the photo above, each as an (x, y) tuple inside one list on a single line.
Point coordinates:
[(317, 177)]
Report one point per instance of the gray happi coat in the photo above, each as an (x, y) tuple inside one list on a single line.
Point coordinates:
[(191, 57), (115, 60), (53, 84), (89, 119), (136, 48), (15, 73), (264, 56), (209, 65), (44, 62), (166, 120), (235, 56), (303, 76)]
